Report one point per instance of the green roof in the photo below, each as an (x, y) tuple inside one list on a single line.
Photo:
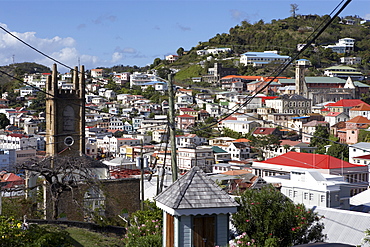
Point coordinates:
[(321, 79), (360, 84), (340, 67), (218, 150), (224, 103)]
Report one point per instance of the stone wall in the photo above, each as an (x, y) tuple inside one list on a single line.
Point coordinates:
[(118, 196)]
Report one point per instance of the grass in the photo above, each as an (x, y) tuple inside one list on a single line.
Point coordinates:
[(83, 237)]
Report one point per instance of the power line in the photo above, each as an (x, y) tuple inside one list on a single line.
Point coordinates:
[(285, 65)]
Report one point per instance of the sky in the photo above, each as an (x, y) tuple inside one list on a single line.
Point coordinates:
[(102, 33)]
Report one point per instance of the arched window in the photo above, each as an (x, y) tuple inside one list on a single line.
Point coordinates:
[(68, 119)]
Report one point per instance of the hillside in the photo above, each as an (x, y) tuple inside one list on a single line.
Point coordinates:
[(283, 35), (17, 70)]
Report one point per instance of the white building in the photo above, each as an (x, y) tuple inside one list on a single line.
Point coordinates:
[(342, 46), (189, 140), (314, 189), (213, 51), (18, 142), (261, 58), (243, 127)]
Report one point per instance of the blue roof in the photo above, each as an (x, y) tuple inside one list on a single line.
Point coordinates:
[(264, 54), (300, 117), (152, 83)]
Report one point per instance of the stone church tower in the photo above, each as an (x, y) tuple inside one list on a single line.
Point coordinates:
[(65, 115), (300, 82)]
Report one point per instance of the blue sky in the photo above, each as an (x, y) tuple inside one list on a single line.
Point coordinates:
[(106, 33)]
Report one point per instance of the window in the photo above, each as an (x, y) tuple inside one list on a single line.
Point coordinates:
[(322, 198), (311, 196), (295, 193), (290, 193), (305, 196)]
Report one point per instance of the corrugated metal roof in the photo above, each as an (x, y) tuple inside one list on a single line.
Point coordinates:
[(344, 226)]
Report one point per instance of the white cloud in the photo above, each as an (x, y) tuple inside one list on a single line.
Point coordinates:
[(117, 56), (61, 49), (367, 17)]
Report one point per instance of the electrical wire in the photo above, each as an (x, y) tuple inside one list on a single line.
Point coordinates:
[(285, 65)]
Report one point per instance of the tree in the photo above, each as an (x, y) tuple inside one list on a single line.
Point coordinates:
[(4, 121), (340, 151), (269, 218), (264, 143), (320, 139), (293, 9), (63, 173), (231, 133), (180, 51)]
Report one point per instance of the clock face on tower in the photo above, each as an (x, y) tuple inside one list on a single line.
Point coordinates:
[(68, 141)]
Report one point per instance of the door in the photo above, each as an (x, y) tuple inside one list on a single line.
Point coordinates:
[(170, 231), (204, 231)]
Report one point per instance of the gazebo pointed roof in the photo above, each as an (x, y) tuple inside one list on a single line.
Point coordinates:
[(195, 193)]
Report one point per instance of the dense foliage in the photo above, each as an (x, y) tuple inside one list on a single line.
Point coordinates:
[(266, 217), (320, 139), (14, 233), (146, 227)]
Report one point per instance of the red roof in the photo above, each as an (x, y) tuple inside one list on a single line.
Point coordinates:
[(263, 131), (310, 161), (361, 107), (186, 109), (185, 116), (359, 119), (333, 114), (347, 103), (365, 157)]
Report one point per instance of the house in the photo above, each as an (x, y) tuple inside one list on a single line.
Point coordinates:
[(362, 109), (357, 150), (238, 151), (257, 59), (243, 127), (188, 111), (172, 58), (221, 141), (355, 174), (309, 128), (189, 140), (342, 46), (343, 72), (350, 60), (353, 127), (344, 105), (160, 135), (266, 131), (220, 155), (335, 117), (295, 104), (199, 156), (185, 121), (314, 189), (286, 146)]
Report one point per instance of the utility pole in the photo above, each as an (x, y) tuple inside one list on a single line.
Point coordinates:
[(171, 121), (141, 165)]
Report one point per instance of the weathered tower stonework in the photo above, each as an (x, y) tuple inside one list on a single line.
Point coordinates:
[(65, 115), (300, 82)]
